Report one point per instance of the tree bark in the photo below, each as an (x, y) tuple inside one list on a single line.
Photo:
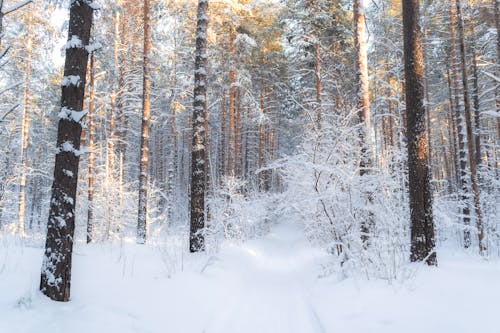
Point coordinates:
[(462, 159), (231, 158), (25, 127), (497, 23), (422, 225), (363, 92), (198, 179), (90, 130), (56, 268), (468, 126), (142, 216)]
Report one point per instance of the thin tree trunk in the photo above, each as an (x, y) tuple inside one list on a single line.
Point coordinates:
[(453, 132), (462, 159), (427, 97), (222, 162), (468, 126), (363, 90), (477, 116), (422, 225), (198, 185), (56, 268), (90, 130), (317, 80), (497, 23), (232, 108), (25, 127), (260, 160), (142, 215)]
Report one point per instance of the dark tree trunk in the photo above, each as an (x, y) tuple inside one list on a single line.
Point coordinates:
[(56, 268), (422, 225), (198, 181)]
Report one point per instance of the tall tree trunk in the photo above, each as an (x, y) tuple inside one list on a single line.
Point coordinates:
[(427, 97), (172, 165), (232, 107), (462, 160), (497, 23), (452, 133), (363, 92), (237, 132), (260, 160), (222, 161), (90, 130), (422, 225), (56, 268), (197, 221), (142, 214), (25, 126), (317, 82), (468, 126)]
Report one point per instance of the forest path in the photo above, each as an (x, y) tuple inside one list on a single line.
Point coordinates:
[(267, 284)]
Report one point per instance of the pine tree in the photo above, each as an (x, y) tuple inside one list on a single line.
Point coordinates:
[(422, 225), (146, 110), (468, 126), (56, 268), (198, 177)]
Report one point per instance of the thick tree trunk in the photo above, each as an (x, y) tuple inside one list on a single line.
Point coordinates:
[(468, 126), (56, 268), (142, 214), (422, 225), (197, 221)]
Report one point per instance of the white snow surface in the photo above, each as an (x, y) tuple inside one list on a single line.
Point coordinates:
[(272, 284)]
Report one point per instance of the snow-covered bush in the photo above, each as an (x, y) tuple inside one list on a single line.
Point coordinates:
[(235, 213), (325, 189)]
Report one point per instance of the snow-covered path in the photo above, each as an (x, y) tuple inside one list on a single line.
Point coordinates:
[(267, 285), (270, 284)]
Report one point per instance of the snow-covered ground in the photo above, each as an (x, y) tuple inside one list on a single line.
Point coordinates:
[(272, 284)]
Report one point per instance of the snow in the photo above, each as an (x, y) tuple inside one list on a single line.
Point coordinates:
[(71, 80), (272, 284)]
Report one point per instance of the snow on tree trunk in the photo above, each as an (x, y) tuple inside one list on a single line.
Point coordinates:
[(25, 128), (468, 126), (198, 181), (56, 268), (90, 129), (142, 214), (364, 108), (231, 152), (422, 225)]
